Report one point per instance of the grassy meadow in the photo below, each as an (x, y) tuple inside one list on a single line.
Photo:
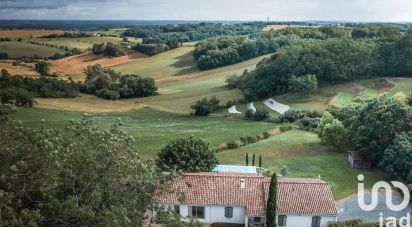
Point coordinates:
[(82, 43), (304, 156), (152, 129), (19, 49)]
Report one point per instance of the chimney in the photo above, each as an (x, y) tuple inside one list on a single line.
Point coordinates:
[(242, 183)]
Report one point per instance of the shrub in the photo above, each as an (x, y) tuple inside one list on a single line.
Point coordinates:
[(205, 106), (292, 115), (259, 115), (285, 127), (4, 55), (266, 135), (233, 145), (311, 123)]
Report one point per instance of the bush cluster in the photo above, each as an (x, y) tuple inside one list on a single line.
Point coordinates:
[(109, 84), (205, 106), (260, 114), (108, 49), (151, 49)]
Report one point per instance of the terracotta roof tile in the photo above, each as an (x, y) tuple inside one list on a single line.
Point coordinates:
[(295, 196)]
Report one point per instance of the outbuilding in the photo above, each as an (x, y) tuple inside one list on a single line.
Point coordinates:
[(358, 161)]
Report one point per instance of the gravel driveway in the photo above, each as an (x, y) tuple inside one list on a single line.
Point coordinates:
[(348, 208)]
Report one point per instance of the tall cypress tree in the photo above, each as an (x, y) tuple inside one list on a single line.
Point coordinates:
[(260, 160), (271, 203), (253, 159), (247, 159)]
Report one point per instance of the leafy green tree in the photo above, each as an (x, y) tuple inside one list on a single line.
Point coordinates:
[(173, 43), (271, 205), (93, 178), (397, 157), (253, 159), (303, 83), (205, 106), (377, 124), (98, 49), (334, 134), (42, 68), (327, 118), (4, 75), (260, 160), (114, 50), (187, 155), (247, 159)]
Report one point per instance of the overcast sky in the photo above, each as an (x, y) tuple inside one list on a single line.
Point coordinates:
[(283, 10)]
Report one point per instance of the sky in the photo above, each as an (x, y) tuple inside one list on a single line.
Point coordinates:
[(235, 10)]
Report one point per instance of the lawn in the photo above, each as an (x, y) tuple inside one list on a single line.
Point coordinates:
[(152, 129), (304, 156), (19, 49)]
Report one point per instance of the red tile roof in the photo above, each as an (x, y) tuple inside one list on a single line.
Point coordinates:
[(295, 196)]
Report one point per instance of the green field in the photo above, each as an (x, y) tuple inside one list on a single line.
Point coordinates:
[(19, 49), (303, 156), (81, 43), (152, 129), (300, 151)]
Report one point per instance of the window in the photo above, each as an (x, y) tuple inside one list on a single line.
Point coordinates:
[(197, 212), (316, 221), (229, 212), (282, 220), (256, 219), (176, 208)]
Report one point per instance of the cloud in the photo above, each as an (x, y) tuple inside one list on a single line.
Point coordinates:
[(42, 4), (282, 10)]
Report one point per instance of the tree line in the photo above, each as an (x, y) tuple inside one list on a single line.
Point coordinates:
[(161, 34), (332, 61), (221, 51), (21, 90), (227, 50)]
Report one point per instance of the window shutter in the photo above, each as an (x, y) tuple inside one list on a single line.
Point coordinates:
[(284, 220), (316, 221), (229, 212)]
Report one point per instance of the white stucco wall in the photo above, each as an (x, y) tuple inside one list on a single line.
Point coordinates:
[(306, 221), (215, 214)]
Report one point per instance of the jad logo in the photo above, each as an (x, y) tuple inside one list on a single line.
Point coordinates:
[(390, 221)]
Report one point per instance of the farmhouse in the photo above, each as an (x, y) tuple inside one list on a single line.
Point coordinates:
[(240, 198)]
